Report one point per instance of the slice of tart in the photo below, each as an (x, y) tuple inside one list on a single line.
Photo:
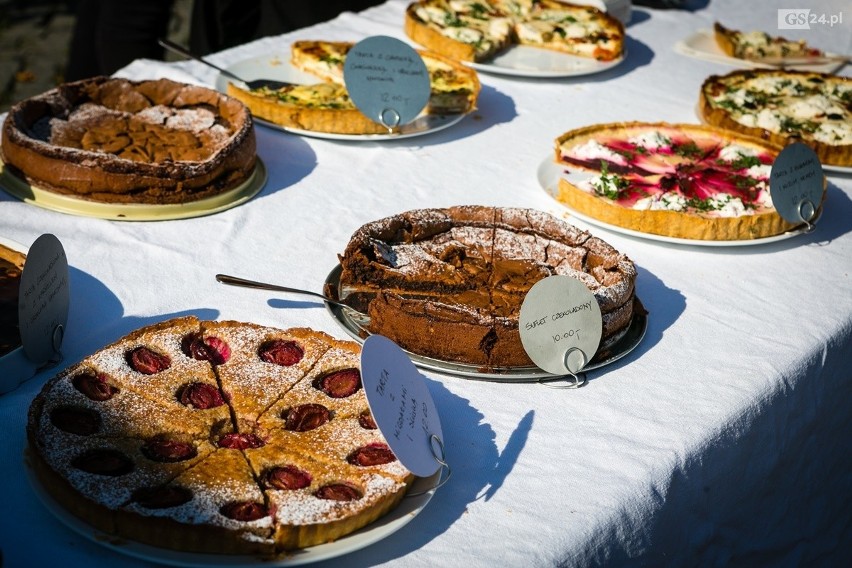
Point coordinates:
[(761, 47), (256, 365), (676, 180)]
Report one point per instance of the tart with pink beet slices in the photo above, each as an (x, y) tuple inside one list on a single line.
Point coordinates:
[(676, 180), (216, 437)]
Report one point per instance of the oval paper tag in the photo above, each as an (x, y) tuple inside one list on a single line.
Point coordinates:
[(44, 299), (387, 80), (401, 404), (796, 183), (560, 324)]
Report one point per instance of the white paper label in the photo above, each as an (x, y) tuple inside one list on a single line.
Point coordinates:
[(560, 324), (44, 299), (387, 80), (401, 404), (796, 183)]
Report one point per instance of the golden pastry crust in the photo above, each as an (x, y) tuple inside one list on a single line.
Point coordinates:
[(192, 474), (780, 127), (119, 141), (671, 164)]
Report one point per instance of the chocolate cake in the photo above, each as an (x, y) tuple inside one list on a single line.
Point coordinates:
[(449, 283), (118, 141), (161, 438), (11, 265)]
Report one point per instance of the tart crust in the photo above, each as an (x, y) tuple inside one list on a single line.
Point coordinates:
[(118, 141)]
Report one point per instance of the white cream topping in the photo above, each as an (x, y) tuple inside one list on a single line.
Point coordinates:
[(813, 106), (651, 140), (769, 120), (464, 35), (534, 31), (734, 151), (593, 150), (835, 133), (759, 172)]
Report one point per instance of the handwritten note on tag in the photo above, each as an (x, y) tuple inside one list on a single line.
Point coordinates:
[(401, 404), (387, 80), (44, 299), (797, 183), (560, 324)]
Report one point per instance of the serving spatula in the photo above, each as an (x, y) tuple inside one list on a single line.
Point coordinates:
[(251, 84)]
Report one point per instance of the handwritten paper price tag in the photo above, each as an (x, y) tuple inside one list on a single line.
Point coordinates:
[(401, 404), (387, 80), (43, 299), (560, 324), (797, 183)]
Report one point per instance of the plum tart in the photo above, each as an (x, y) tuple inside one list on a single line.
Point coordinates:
[(216, 437)]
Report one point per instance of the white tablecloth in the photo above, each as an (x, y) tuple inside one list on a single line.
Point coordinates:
[(723, 439)]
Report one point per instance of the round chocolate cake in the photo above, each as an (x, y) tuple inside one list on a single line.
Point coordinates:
[(449, 283), (118, 141)]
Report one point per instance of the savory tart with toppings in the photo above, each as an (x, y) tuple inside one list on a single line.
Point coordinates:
[(476, 30), (162, 438), (676, 180), (449, 283), (760, 46), (118, 141), (326, 106), (782, 106)]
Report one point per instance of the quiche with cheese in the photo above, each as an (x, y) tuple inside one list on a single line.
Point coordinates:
[(326, 106), (476, 30), (782, 106), (675, 180), (760, 46)]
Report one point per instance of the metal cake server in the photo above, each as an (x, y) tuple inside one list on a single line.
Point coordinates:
[(235, 281), (252, 84)]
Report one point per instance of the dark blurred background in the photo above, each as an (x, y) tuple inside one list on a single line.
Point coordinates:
[(34, 44)]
